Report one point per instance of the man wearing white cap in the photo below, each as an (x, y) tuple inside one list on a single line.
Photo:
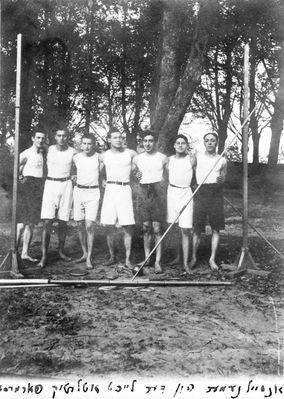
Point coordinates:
[(209, 201)]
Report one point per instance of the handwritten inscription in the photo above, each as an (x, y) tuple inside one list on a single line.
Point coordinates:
[(140, 389)]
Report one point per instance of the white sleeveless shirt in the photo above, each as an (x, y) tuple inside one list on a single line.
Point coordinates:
[(180, 171), (59, 162), (34, 162), (151, 166), (118, 165), (205, 163), (87, 169)]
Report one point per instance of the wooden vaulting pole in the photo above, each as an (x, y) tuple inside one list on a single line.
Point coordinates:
[(108, 283), (193, 194)]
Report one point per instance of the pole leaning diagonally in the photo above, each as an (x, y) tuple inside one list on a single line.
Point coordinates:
[(195, 191)]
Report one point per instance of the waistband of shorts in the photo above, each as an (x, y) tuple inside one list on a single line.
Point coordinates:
[(173, 185), (119, 183), (210, 185), (58, 178), (82, 186), (32, 178)]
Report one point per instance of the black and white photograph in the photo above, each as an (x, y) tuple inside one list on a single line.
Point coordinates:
[(141, 199)]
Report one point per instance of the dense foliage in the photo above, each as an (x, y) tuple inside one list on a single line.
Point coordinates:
[(126, 63)]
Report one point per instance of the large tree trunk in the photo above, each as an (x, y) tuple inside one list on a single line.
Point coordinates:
[(277, 118), (176, 85), (167, 72), (189, 81)]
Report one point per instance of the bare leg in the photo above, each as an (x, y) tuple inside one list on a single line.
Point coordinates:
[(90, 229), (195, 246), (177, 259), (46, 231), (185, 233), (214, 246), (110, 244), (127, 243), (83, 240), (147, 239), (157, 233), (20, 229), (27, 237), (62, 230)]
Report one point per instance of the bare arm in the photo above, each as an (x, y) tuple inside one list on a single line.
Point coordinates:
[(166, 167), (102, 170), (22, 162), (223, 172)]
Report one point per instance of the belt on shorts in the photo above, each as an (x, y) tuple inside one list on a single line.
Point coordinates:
[(81, 186), (173, 185), (58, 178), (120, 183)]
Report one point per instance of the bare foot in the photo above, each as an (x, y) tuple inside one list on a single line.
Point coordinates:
[(110, 262), (27, 257), (64, 257), (129, 264), (213, 265), (89, 264), (42, 263), (158, 268), (187, 269), (82, 259), (192, 263)]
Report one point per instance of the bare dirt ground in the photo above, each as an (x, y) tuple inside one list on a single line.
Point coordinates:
[(212, 331)]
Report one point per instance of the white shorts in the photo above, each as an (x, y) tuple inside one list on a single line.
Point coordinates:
[(176, 199), (85, 203), (117, 206), (57, 197)]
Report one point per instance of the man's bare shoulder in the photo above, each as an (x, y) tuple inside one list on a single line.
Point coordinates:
[(164, 157), (132, 153)]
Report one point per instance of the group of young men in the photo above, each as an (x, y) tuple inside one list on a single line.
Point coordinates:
[(164, 194)]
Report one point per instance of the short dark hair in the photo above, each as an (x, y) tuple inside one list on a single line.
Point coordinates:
[(181, 136), (34, 132), (61, 130), (88, 136), (113, 130), (213, 134), (148, 132)]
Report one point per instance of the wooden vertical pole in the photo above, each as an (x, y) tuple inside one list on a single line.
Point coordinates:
[(245, 261), (10, 263), (245, 146), (16, 150)]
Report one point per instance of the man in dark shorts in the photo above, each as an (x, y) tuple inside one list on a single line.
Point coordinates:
[(208, 202), (150, 166), (30, 191)]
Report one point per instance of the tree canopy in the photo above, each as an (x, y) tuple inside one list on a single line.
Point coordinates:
[(128, 63)]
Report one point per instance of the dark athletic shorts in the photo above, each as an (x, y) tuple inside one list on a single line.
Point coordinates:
[(152, 203), (209, 202), (29, 200)]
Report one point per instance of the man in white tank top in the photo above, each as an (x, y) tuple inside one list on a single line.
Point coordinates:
[(57, 195), (117, 207), (180, 169), (30, 192), (86, 196), (209, 202), (150, 166)]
